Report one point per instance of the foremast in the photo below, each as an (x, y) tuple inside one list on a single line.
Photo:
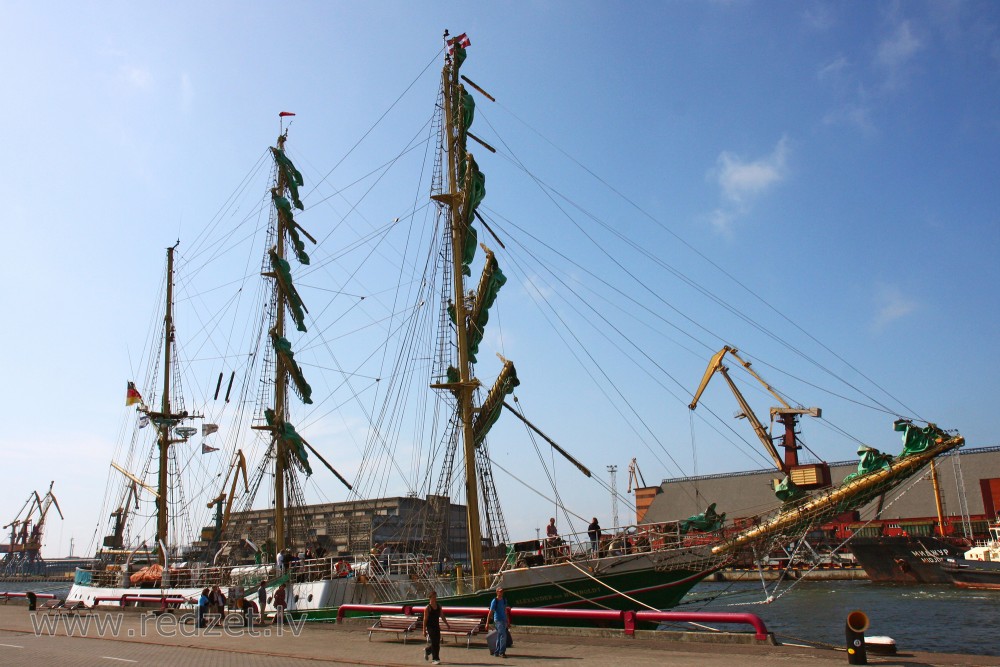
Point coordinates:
[(466, 188), (287, 446)]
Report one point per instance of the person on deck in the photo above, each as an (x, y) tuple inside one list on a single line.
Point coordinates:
[(433, 615), (551, 532), (594, 532), (499, 611), (551, 538)]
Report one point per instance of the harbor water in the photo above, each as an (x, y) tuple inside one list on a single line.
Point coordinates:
[(936, 618), (930, 617)]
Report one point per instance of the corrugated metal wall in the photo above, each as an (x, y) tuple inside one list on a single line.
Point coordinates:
[(749, 493)]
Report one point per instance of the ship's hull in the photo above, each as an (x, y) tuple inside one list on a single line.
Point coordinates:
[(905, 560), (653, 580), (657, 580), (973, 574)]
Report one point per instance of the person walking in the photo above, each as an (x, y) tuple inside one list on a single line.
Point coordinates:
[(433, 615), (202, 607), (262, 599), (499, 611), (279, 604), (218, 601), (594, 532)]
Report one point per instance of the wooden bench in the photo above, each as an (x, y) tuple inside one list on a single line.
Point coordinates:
[(71, 607), (49, 605), (462, 626), (400, 624)]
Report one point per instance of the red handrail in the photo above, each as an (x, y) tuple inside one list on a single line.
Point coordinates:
[(627, 619), (123, 600), (6, 596), (705, 617)]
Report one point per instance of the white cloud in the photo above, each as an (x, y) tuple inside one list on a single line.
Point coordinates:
[(136, 77), (897, 49), (857, 115), (743, 181), (891, 305), (894, 54), (722, 221), (538, 289), (834, 69), (818, 17)]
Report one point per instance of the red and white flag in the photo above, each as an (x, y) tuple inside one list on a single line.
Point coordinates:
[(285, 113), (461, 40)]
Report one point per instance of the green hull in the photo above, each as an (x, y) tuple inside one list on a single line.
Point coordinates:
[(638, 590)]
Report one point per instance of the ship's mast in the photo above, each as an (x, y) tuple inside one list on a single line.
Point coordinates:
[(467, 383), (280, 381), (165, 420)]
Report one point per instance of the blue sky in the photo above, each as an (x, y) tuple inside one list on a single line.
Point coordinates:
[(840, 160)]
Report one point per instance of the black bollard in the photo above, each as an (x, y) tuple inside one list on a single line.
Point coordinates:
[(857, 623), (32, 600)]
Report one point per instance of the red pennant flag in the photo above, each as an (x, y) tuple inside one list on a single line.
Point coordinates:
[(285, 113)]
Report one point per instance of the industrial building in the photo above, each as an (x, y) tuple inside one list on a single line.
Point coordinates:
[(969, 481), (355, 527)]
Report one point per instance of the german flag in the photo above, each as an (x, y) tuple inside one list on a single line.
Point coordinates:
[(132, 395)]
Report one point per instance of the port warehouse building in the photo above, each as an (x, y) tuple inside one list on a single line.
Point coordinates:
[(910, 508), (355, 527)]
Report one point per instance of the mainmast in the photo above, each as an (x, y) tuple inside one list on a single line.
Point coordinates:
[(280, 382), (287, 444)]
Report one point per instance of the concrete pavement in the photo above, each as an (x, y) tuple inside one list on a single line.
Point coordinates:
[(117, 638)]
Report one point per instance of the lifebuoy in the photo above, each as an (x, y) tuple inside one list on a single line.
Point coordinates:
[(342, 568)]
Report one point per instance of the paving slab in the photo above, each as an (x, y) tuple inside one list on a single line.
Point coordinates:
[(122, 638)]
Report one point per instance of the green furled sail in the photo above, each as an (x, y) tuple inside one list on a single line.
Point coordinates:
[(283, 274), (489, 413), (706, 522), (871, 460), (293, 177), (917, 440), (787, 491), (287, 434), (490, 282), (284, 208), (283, 349)]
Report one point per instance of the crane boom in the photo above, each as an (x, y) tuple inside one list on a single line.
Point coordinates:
[(239, 465), (715, 366)]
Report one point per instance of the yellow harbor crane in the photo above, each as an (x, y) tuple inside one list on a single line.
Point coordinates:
[(798, 476), (238, 465)]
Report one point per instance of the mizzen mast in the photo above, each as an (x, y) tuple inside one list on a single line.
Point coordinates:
[(466, 188)]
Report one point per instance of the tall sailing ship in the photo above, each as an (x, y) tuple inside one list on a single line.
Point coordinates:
[(435, 341)]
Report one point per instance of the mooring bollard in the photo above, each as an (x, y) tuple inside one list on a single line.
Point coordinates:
[(32, 600), (857, 623)]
